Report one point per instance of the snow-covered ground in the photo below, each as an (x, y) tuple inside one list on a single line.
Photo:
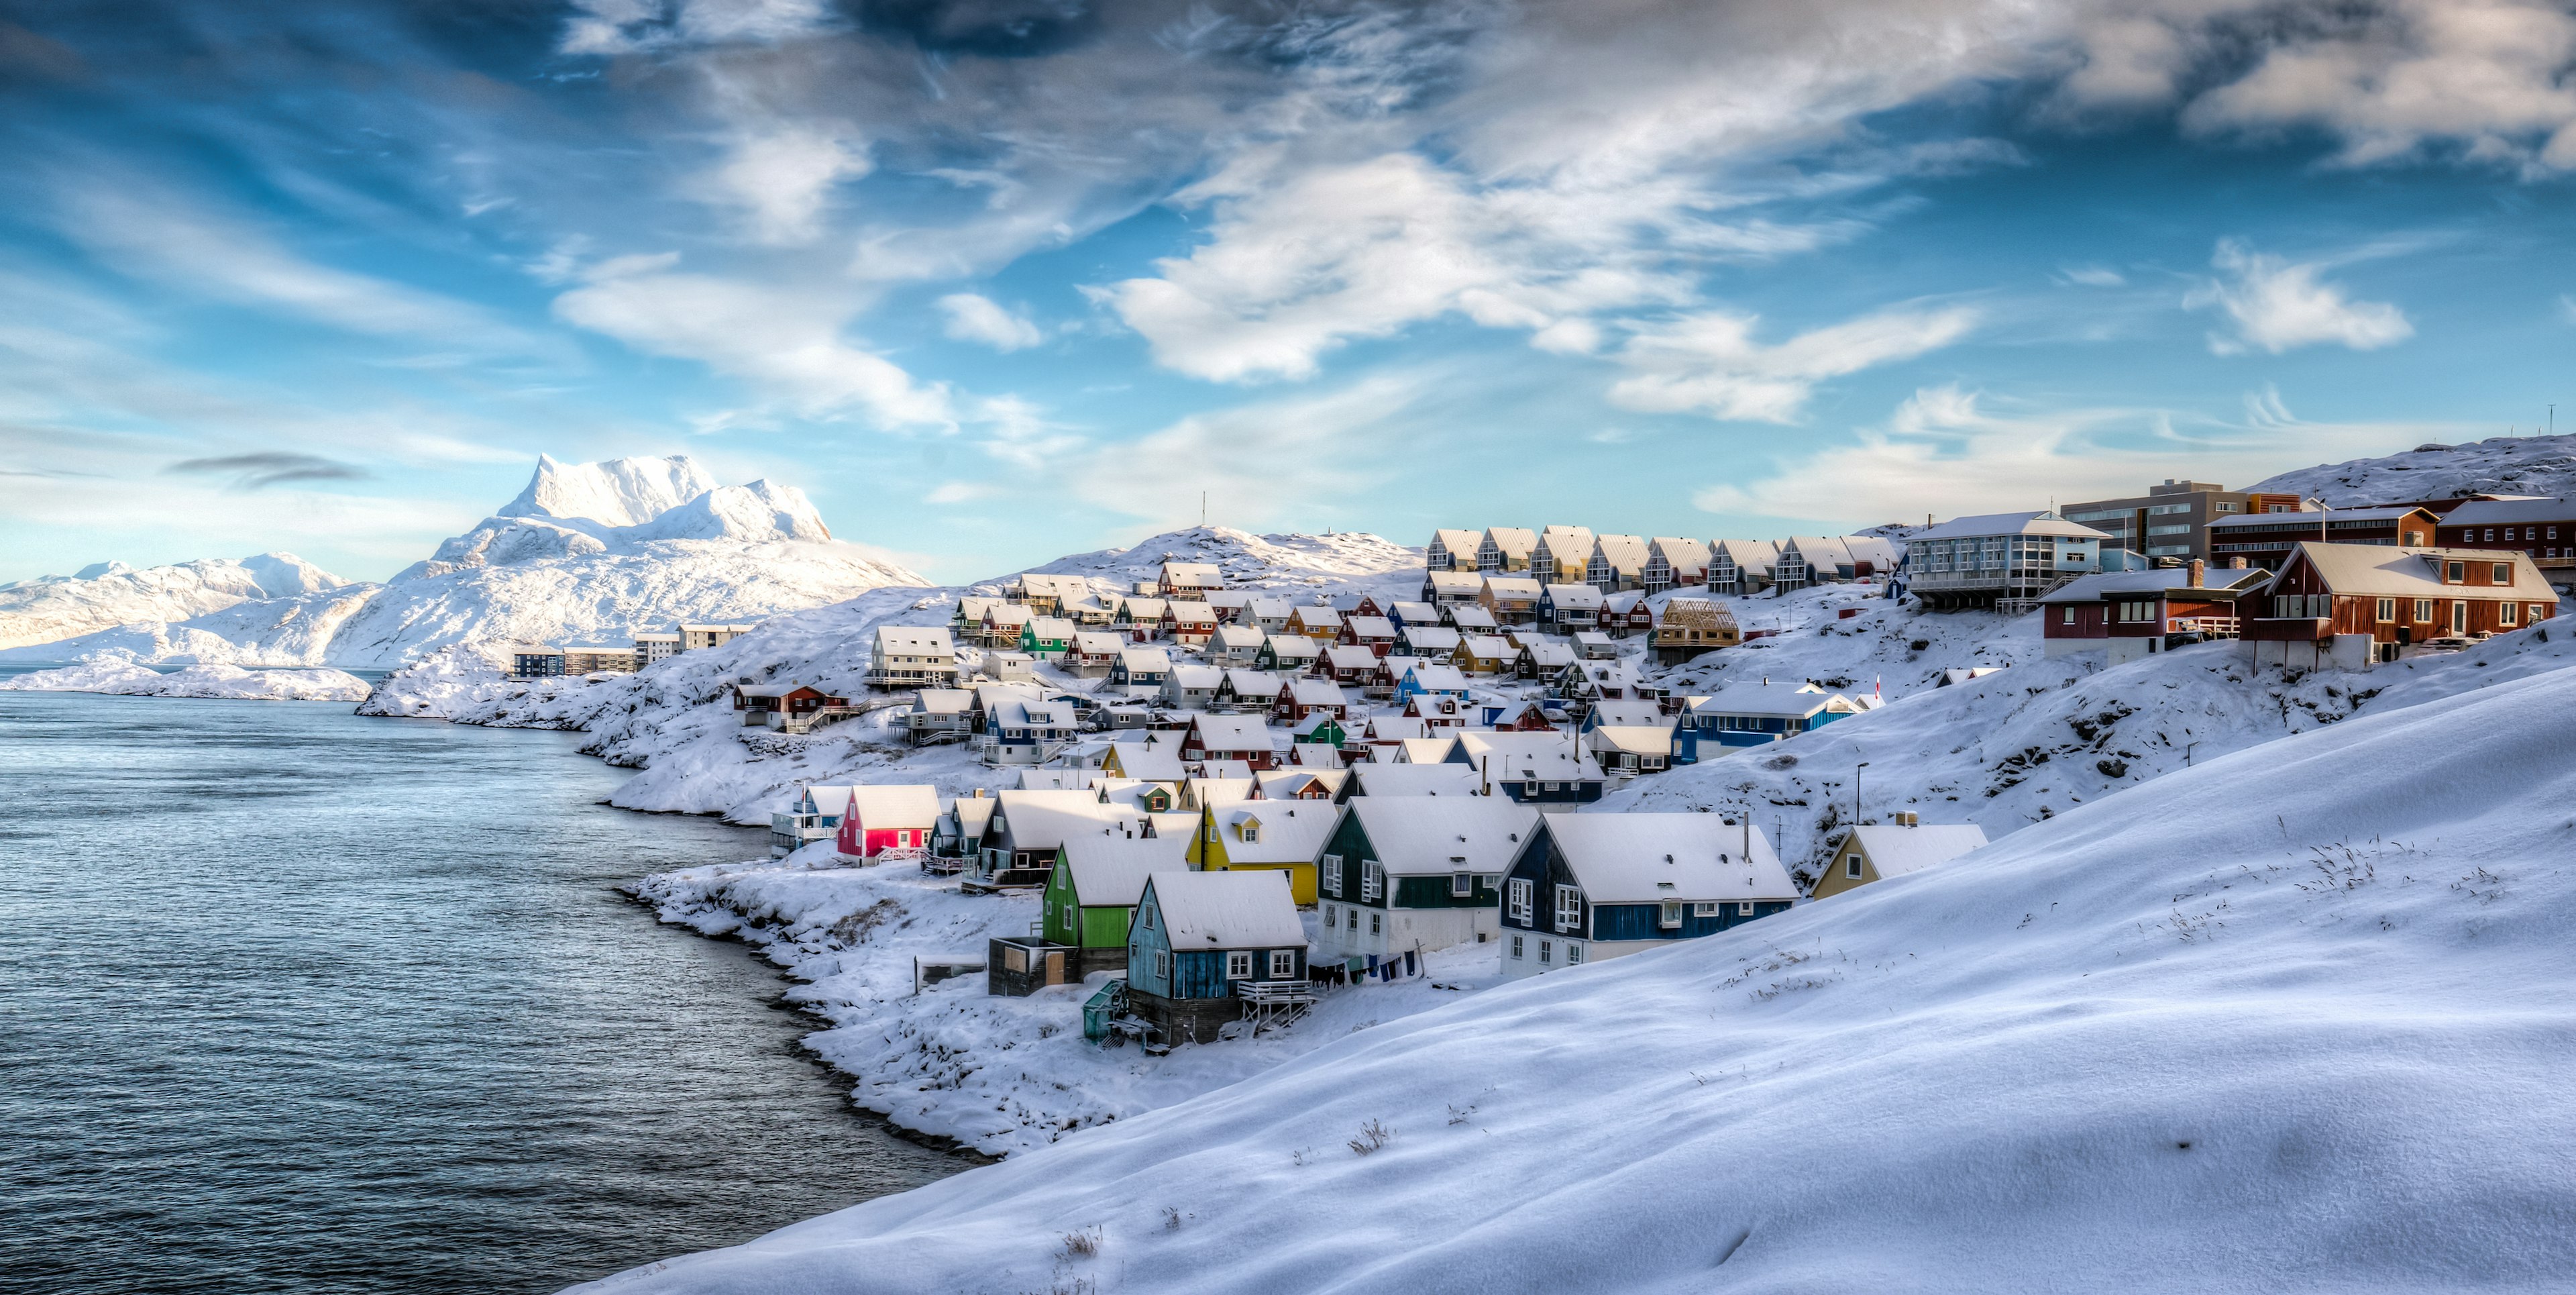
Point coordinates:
[(2293, 1019), (999, 1075), (50, 608), (125, 678), (2503, 465), (593, 551)]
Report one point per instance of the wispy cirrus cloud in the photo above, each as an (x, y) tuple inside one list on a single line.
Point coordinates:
[(2277, 305), (1709, 363)]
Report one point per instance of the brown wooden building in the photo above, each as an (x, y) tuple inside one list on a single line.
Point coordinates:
[(2349, 605)]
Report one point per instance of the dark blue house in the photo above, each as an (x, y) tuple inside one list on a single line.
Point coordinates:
[(1590, 886), (1532, 768), (1201, 944), (1752, 714)]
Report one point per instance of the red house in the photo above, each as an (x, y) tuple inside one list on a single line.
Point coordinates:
[(2131, 613), (2543, 529), (2347, 606), (1228, 737), (889, 822), (1376, 633)]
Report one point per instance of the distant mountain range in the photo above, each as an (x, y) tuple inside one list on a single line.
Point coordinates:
[(590, 550)]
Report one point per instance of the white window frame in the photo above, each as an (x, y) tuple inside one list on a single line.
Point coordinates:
[(1372, 880), (1238, 966), (1520, 903), (1546, 952), (1516, 948), (1332, 864), (1462, 885), (1744, 908), (1163, 965), (1377, 923), (1569, 908), (1283, 964), (2508, 613), (1573, 953), (1669, 916)]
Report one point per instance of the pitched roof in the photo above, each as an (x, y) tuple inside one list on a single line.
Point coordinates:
[(1763, 697), (2220, 582), (1202, 574), (1292, 831), (1050, 627), (2503, 512), (1563, 597), (1414, 780), (1438, 678), (1238, 636), (1622, 552), (1486, 647), (1098, 642), (1463, 582), (1371, 626), (1519, 757), (914, 639), (1308, 691), (1293, 645), (1144, 660), (1432, 638), (1196, 676), (1895, 850), (1415, 836), (943, 701), (1041, 820), (1227, 910), (1111, 871), (1511, 586), (1632, 739), (2378, 570), (1681, 553), (1628, 712), (1188, 612), (2309, 520), (1350, 656), (2042, 522), (1150, 761), (1232, 732), (1456, 540), (1515, 541), (909, 805), (1640, 858)]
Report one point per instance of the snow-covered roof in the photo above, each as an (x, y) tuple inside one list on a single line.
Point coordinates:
[(943, 701), (1437, 678), (1389, 728), (1192, 613), (972, 813), (1511, 587), (1350, 656), (1269, 608), (1511, 541), (1254, 683), (1034, 714), (776, 690), (1039, 820), (1280, 784), (832, 798), (1766, 698), (2311, 519), (1470, 619), (1681, 553), (1292, 831), (1035, 585), (1432, 638), (1548, 655), (1315, 692), (1050, 627), (1641, 858), (1098, 642), (2510, 512), (1518, 757), (1232, 733), (1439, 779), (2042, 522), (2382, 571), (1749, 555), (1488, 647), (2107, 585), (1238, 636), (906, 805), (1144, 660), (1008, 613), (1056, 779), (1372, 627), (1143, 609), (915, 640), (1415, 836), (1573, 597), (1456, 540), (1456, 582), (1314, 617), (1632, 739), (1228, 910), (1187, 677), (1201, 575), (1111, 871), (1628, 712), (1591, 638), (1293, 645), (1567, 543), (1622, 552), (1895, 849), (1413, 613)]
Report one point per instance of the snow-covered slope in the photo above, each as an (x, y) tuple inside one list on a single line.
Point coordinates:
[(2504, 465), (586, 551), (124, 678), (50, 608), (2291, 1020), (671, 720)]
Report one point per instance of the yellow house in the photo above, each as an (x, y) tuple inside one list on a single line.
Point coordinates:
[(1879, 851), (1253, 834)]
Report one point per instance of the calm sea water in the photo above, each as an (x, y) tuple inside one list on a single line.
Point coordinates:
[(296, 1001)]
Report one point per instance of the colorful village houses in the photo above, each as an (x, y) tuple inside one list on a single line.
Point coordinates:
[(1510, 600), (888, 822), (1235, 645), (1191, 581), (1314, 621), (1560, 554), (815, 815), (1083, 913), (1369, 778), (1874, 852), (1756, 712), (791, 706), (1531, 768), (1627, 614), (1288, 652), (1413, 874), (1282, 835), (2130, 614), (1452, 588), (912, 656), (1347, 664), (1673, 562), (1505, 549), (1204, 946), (1585, 887), (1449, 550), (2348, 606), (1617, 562)]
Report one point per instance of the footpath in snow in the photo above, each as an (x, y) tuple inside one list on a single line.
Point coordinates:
[(2292, 1019)]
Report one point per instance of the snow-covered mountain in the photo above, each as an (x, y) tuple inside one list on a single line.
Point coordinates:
[(2289, 1019), (591, 550), (48, 608), (2504, 465)]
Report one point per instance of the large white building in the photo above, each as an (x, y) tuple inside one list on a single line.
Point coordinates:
[(2001, 560)]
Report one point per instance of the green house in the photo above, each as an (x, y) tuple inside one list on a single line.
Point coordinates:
[(1046, 637), (1093, 892)]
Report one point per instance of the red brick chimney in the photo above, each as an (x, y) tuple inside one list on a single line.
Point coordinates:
[(2199, 577)]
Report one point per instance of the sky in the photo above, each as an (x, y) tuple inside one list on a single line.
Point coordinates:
[(997, 280)]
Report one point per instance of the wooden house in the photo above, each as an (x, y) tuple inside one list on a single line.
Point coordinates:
[(1190, 581), (1140, 671), (1532, 768), (960, 830), (1389, 672), (1484, 655), (1585, 887), (968, 620), (1235, 645), (1692, 626), (1527, 717), (1228, 737), (1421, 613), (1451, 588), (1228, 604), (1740, 568), (1156, 758), (1673, 562), (1084, 912), (1203, 944), (1372, 778), (1047, 638), (1026, 731), (1247, 689), (1755, 713), (1427, 640), (1288, 652), (1021, 837), (1277, 835), (1092, 611), (1616, 562), (1510, 600), (939, 715), (2349, 606), (1049, 595), (1422, 680), (1190, 623), (1350, 666), (1413, 874), (1350, 605), (1544, 659), (1299, 698), (888, 822), (910, 656), (1871, 852), (1471, 618), (1003, 623), (2130, 614), (1560, 554), (1268, 615), (1593, 645), (1585, 682), (789, 705), (1192, 687), (815, 815), (2544, 529), (1143, 619), (1319, 728), (1630, 748), (1314, 621), (1505, 549), (1450, 550), (1626, 615), (1566, 608), (1376, 633), (2268, 540), (1440, 710)]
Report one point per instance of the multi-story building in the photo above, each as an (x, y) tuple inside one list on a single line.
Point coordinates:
[(694, 637), (2171, 520), (2267, 540), (2001, 560)]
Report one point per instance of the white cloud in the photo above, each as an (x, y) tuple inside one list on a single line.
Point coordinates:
[(1944, 445), (973, 318), (781, 178), (2091, 276), (1258, 463), (787, 344), (1709, 363), (2279, 305)]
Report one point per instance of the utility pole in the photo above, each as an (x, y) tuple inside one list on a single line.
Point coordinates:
[(2325, 513), (1856, 791)]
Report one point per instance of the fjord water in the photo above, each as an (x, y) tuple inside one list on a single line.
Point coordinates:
[(296, 1001)]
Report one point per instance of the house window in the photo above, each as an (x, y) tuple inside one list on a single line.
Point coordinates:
[(1332, 875), (1377, 923), (2501, 575), (1545, 951), (2387, 610), (1851, 867), (1372, 879), (1520, 899), (2490, 535), (2455, 573), (1251, 830), (1569, 908), (1238, 966), (1516, 948), (2424, 611), (2069, 617), (1672, 914), (1704, 908), (1462, 885), (1744, 909), (1331, 919), (1573, 953), (2505, 613), (1283, 964), (1551, 786), (1162, 964), (1149, 915), (2539, 612)]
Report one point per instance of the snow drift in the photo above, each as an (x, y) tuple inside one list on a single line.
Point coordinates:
[(2297, 1018), (586, 551)]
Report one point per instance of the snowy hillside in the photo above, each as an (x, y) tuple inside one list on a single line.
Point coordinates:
[(586, 551), (49, 608), (2504, 465), (671, 721), (2289, 1020), (124, 678)]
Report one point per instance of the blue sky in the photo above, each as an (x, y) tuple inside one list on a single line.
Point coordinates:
[(1000, 279)]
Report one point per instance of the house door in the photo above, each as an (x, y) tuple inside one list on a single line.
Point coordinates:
[(2459, 616)]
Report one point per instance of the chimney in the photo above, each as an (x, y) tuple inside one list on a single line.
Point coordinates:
[(2199, 577), (2236, 563)]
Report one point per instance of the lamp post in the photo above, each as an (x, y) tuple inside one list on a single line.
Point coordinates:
[(1856, 791)]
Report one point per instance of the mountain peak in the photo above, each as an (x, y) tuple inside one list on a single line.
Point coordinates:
[(613, 492)]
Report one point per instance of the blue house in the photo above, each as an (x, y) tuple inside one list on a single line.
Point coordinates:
[(1203, 944), (1543, 768), (1751, 714), (1585, 887), (1424, 680)]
